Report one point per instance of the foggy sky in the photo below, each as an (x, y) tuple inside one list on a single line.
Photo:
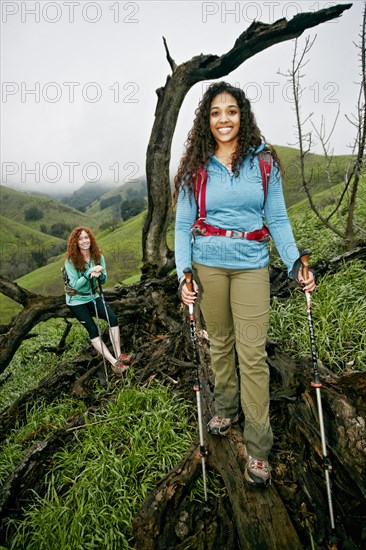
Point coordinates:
[(79, 81)]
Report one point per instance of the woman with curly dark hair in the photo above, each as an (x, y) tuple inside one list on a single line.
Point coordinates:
[(220, 234), (84, 263)]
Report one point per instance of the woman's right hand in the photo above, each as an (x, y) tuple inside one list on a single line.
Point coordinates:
[(96, 271), (188, 297)]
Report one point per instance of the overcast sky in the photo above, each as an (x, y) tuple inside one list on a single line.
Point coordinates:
[(79, 81)]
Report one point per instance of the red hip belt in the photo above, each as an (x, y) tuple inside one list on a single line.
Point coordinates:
[(203, 229)]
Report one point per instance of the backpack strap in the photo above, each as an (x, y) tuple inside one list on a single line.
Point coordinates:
[(200, 193), (265, 165)]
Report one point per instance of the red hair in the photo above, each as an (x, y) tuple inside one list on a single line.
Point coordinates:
[(73, 253)]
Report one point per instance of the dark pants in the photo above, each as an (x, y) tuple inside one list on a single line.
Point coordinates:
[(85, 313)]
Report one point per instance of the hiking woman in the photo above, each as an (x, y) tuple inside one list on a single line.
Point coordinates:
[(84, 264), (229, 257)]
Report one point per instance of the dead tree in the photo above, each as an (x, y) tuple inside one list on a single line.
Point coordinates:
[(347, 227), (157, 258)]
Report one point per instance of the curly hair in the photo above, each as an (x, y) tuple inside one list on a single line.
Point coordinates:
[(201, 145), (73, 253)]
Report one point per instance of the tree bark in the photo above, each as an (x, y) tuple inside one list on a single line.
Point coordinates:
[(36, 308), (157, 258)]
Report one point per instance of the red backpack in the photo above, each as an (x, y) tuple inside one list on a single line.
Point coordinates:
[(200, 227)]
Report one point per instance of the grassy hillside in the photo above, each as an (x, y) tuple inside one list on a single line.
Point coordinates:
[(21, 245), (314, 170), (113, 212), (14, 204)]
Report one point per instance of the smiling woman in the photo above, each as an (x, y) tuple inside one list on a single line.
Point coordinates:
[(229, 258), (86, 270)]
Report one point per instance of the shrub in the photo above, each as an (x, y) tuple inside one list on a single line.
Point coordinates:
[(33, 213)]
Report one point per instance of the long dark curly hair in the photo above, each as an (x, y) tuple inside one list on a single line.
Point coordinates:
[(73, 251), (201, 145)]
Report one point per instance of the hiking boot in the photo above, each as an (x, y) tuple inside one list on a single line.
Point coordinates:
[(125, 358), (258, 472), (119, 368), (219, 425)]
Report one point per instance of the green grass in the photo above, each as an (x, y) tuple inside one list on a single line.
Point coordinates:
[(100, 479), (339, 317), (32, 362), (40, 419)]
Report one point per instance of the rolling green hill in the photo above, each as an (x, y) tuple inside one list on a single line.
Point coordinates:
[(15, 204), (113, 211), (314, 170), (18, 239)]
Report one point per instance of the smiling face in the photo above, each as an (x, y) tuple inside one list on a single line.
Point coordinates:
[(225, 119), (83, 241)]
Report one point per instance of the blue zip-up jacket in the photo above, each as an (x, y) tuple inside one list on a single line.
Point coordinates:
[(82, 282), (235, 203)]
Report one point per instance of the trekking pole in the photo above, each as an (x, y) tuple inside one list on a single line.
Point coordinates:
[(196, 385), (108, 321), (316, 383), (100, 335)]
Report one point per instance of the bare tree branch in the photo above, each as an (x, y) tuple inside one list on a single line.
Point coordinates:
[(351, 230), (171, 61)]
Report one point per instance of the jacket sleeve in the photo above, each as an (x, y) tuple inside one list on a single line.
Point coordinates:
[(278, 221), (186, 214)]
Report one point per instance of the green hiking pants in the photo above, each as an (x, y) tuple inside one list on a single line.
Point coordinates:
[(235, 305)]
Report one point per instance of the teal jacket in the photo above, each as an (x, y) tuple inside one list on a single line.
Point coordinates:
[(82, 282)]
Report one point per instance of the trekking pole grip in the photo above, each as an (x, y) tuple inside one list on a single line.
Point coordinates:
[(189, 278), (304, 257)]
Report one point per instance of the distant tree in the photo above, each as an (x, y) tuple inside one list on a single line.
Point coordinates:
[(43, 228), (39, 257), (60, 230), (110, 201), (110, 224), (33, 213), (130, 208)]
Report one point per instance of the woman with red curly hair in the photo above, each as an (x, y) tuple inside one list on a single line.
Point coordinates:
[(84, 264)]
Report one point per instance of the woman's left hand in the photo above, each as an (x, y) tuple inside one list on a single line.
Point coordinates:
[(308, 285)]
